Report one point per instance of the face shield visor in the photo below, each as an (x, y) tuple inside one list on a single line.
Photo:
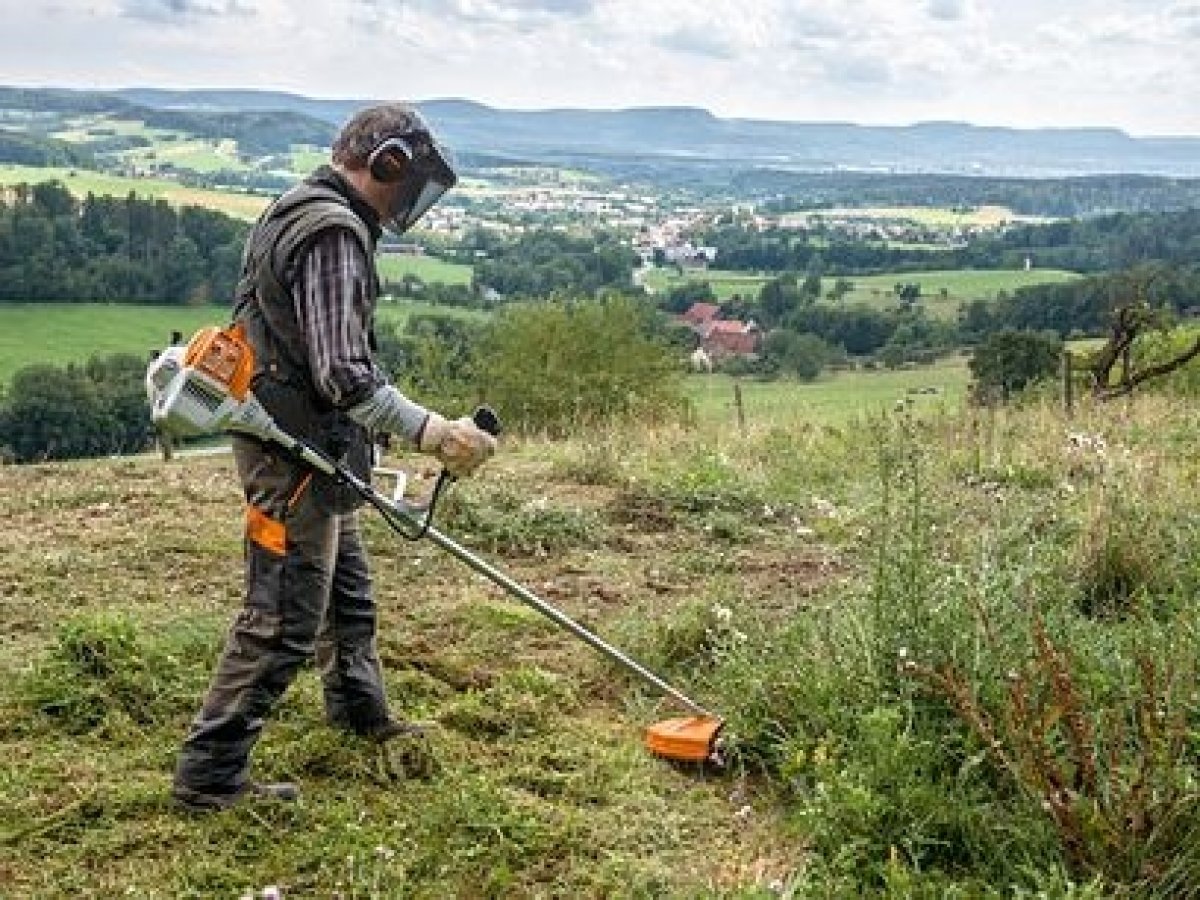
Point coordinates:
[(428, 173)]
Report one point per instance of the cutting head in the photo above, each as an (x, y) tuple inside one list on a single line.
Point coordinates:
[(690, 739)]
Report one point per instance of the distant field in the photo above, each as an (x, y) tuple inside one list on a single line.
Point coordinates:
[(725, 284), (931, 216), (961, 285), (64, 333), (833, 398), (81, 181), (427, 268), (193, 154), (398, 311)]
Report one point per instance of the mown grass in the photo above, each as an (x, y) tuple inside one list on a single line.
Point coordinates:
[(61, 333), (956, 652)]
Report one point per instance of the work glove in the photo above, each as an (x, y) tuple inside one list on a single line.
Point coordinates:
[(459, 444)]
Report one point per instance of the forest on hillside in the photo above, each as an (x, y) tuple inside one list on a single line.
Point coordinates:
[(57, 248)]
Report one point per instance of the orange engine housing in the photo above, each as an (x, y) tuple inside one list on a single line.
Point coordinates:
[(224, 355)]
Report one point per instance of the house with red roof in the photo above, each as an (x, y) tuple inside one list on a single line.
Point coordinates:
[(700, 314), (721, 338)]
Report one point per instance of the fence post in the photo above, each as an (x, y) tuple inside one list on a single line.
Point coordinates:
[(739, 406), (1068, 376)]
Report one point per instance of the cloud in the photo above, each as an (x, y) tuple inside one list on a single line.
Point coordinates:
[(698, 41), (858, 70), (947, 10), (1185, 17), (1023, 62), (519, 14), (175, 10)]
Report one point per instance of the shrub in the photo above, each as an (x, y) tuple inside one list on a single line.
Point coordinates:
[(564, 365)]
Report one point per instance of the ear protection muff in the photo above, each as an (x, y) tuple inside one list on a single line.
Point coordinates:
[(390, 160)]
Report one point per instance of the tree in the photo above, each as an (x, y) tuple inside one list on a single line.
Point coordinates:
[(435, 359), (78, 411), (802, 355), (681, 297), (778, 298), (908, 292), (841, 287), (53, 413), (1012, 360), (573, 362), (1129, 324)]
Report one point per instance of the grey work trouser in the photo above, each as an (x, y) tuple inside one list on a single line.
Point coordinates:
[(308, 594)]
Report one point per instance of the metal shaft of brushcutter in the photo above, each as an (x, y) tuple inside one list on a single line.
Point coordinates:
[(529, 598), (393, 510)]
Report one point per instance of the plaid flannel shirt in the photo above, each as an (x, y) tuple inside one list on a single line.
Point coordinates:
[(334, 294)]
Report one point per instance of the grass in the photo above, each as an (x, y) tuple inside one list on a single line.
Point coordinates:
[(393, 267), (835, 398), (725, 284), (66, 333), (931, 216), (80, 182), (960, 285), (858, 595), (201, 156)]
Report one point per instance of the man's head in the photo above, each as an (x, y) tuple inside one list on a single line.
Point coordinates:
[(389, 154)]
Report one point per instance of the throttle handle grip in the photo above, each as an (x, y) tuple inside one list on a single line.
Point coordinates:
[(485, 419)]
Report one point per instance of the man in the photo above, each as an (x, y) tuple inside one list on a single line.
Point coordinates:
[(307, 299)]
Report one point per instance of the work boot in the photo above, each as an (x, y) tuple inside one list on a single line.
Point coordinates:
[(379, 729), (394, 728), (202, 801)]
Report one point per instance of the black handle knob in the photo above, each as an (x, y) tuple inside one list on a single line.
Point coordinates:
[(485, 419)]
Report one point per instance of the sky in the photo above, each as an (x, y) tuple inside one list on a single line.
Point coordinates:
[(1129, 64)]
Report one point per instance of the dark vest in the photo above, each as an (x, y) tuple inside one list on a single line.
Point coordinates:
[(282, 378)]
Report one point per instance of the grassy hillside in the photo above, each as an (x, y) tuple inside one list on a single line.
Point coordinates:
[(63, 333), (80, 182), (429, 269), (960, 285), (987, 216), (955, 652), (834, 398)]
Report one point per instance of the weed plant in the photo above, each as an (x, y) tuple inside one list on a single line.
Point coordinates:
[(1010, 704)]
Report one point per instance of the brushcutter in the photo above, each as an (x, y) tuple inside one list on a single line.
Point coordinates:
[(204, 387)]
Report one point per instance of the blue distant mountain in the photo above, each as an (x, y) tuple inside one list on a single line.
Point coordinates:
[(657, 135)]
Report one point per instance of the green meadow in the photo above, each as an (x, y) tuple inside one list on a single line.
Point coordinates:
[(834, 398), (73, 332), (942, 290), (81, 182), (929, 216), (394, 267), (66, 333)]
